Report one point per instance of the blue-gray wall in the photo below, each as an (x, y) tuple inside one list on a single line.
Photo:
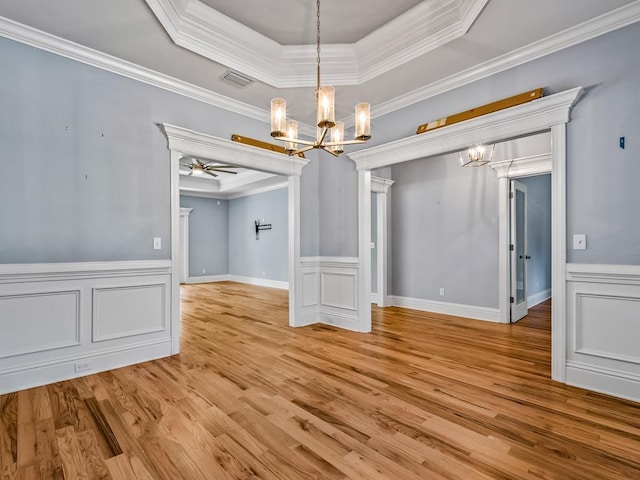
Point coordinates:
[(267, 257), (444, 231), (538, 233), (85, 170), (208, 236), (601, 178)]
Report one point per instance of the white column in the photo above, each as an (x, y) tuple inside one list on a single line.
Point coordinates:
[(175, 251), (559, 252), (364, 251), (295, 268)]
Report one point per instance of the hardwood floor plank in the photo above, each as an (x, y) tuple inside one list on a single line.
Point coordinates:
[(424, 396)]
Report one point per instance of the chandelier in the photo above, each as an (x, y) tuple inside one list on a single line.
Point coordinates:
[(333, 141), (476, 156)]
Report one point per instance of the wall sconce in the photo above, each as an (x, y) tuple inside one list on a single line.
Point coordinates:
[(261, 226), (476, 156)]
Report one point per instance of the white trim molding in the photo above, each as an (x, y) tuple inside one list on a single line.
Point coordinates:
[(190, 142), (605, 23), (65, 320), (603, 325), (537, 298), (523, 166), (381, 186), (535, 116), (74, 51), (208, 279), (329, 289), (445, 308), (262, 282), (204, 30)]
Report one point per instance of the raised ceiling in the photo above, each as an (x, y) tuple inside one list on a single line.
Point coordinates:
[(417, 61), (282, 19)]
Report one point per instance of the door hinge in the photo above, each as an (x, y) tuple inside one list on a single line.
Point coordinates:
[(511, 247), (510, 194), (510, 299)]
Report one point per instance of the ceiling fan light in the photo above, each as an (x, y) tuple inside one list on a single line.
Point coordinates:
[(337, 136), (326, 107), (363, 121), (291, 132), (278, 117), (197, 169)]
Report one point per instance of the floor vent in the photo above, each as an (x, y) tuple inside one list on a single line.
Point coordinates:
[(236, 79)]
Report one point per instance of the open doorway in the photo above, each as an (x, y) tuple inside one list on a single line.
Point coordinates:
[(530, 246), (234, 227)]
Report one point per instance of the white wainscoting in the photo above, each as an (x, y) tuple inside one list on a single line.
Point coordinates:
[(59, 321), (445, 308), (603, 328), (330, 291)]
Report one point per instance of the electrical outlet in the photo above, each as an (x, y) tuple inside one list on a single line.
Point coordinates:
[(204, 270), (157, 243), (83, 366), (442, 292)]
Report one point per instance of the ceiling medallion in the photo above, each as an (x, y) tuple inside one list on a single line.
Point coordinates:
[(287, 130)]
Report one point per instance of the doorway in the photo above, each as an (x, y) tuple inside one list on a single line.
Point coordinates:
[(530, 246)]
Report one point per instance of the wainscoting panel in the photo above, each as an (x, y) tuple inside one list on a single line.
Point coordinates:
[(310, 289), (126, 311), (35, 322), (329, 291), (50, 315), (339, 290), (603, 328)]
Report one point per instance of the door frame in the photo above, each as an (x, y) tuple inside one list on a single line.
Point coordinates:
[(185, 142), (380, 186), (547, 113), (184, 243)]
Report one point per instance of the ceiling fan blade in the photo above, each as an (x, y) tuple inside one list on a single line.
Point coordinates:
[(210, 173), (219, 170)]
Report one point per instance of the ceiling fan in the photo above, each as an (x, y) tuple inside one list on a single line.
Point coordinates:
[(198, 167)]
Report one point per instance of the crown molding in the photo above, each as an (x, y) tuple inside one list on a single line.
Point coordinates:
[(523, 166), (74, 51), (189, 142), (201, 29), (605, 23), (535, 116), (381, 185)]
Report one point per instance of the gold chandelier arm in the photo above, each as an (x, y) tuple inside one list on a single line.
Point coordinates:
[(344, 142), (322, 135), (302, 150), (335, 154), (296, 140)]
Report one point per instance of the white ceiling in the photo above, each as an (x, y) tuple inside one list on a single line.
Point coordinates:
[(390, 53)]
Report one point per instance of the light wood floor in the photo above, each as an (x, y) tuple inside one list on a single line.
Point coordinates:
[(422, 397)]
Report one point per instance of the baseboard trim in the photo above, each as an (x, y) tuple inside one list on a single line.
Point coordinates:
[(23, 378), (455, 309), (209, 279), (348, 322), (604, 380), (375, 298), (262, 282), (539, 297)]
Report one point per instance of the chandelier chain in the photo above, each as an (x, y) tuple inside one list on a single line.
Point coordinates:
[(318, 43)]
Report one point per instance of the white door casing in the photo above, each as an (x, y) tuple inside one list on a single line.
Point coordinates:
[(184, 244), (184, 142), (380, 186), (552, 112)]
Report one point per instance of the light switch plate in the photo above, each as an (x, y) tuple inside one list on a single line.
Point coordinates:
[(157, 243), (580, 242)]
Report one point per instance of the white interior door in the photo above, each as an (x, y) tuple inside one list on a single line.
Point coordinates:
[(518, 247)]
